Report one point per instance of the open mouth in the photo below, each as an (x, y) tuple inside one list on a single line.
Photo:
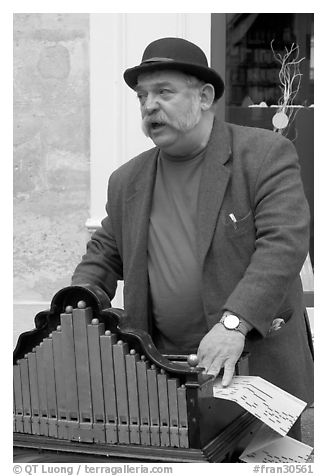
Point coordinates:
[(157, 125)]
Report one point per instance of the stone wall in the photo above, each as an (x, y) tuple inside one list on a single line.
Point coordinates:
[(51, 151)]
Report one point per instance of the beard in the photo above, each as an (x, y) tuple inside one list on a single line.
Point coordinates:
[(184, 121)]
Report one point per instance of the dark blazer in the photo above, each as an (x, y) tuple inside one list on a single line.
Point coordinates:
[(250, 268)]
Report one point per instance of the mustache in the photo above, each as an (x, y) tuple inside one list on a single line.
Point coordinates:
[(148, 120)]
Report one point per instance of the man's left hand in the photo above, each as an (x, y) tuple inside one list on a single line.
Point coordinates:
[(221, 348)]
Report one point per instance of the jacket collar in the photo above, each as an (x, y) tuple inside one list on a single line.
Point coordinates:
[(214, 180), (142, 178), (138, 209)]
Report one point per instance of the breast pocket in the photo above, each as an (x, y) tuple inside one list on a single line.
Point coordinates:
[(236, 227)]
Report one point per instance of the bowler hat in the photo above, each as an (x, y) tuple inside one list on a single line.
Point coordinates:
[(175, 54)]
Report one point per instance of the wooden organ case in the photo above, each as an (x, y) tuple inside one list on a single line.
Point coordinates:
[(86, 382)]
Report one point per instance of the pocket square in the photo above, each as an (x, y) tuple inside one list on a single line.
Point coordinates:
[(277, 324)]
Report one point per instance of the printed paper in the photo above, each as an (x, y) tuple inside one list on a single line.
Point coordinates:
[(278, 411), (273, 406), (280, 449)]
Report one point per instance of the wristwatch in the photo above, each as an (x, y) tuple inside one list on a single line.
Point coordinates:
[(234, 323)]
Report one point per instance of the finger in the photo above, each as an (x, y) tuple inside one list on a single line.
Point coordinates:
[(229, 370), (215, 367), (204, 362), (205, 365)]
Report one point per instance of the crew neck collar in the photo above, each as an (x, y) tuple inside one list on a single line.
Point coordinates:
[(184, 159)]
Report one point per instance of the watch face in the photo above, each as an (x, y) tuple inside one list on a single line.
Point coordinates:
[(231, 321)]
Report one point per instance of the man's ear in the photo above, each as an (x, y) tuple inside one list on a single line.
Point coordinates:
[(207, 94)]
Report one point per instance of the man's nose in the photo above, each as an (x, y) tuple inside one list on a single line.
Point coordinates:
[(151, 103)]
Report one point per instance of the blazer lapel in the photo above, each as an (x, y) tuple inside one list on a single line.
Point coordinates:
[(214, 180), (138, 209)]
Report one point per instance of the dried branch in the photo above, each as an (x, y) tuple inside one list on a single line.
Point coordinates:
[(290, 80)]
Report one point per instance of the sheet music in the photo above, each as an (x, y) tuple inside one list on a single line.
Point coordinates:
[(264, 436), (273, 406), (267, 446)]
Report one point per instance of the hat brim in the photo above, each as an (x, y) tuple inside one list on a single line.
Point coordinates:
[(204, 73)]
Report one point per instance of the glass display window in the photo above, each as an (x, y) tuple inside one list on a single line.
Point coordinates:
[(252, 70)]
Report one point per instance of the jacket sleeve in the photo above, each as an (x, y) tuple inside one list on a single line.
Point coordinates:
[(281, 216), (102, 263)]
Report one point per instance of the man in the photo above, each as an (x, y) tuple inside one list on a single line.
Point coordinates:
[(209, 229)]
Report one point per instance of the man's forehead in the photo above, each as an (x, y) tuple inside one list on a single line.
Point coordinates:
[(157, 77)]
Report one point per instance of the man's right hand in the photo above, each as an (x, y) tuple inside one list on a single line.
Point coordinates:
[(221, 348)]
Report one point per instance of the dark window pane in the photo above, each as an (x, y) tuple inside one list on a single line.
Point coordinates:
[(251, 69)]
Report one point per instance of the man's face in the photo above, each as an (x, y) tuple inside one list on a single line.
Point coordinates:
[(170, 108)]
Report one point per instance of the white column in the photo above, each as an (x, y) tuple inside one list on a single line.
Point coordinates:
[(106, 47)]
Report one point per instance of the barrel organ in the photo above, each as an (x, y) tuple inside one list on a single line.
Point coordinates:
[(86, 381)]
